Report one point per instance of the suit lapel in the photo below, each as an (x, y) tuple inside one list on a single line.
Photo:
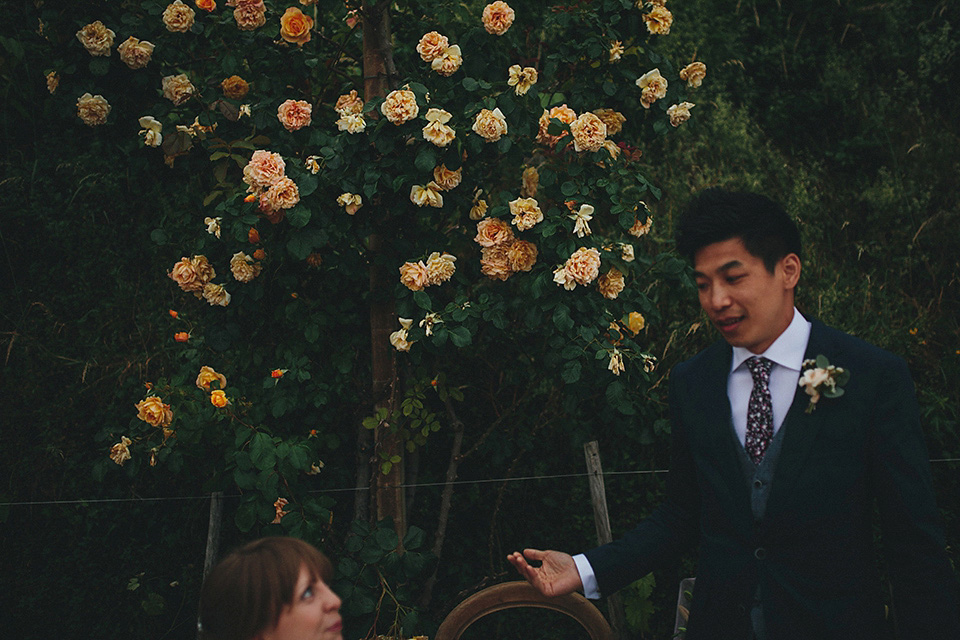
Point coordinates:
[(800, 427)]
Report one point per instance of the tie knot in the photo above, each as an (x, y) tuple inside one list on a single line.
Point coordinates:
[(759, 368)]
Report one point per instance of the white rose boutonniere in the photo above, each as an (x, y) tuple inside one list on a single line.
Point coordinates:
[(820, 378)]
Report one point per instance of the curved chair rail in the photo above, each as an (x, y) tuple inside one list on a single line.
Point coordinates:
[(510, 595)]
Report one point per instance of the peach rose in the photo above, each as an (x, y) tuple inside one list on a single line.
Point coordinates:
[(282, 194), (447, 179), (490, 125), (208, 375), (492, 232), (497, 17), (563, 278), (93, 110), (154, 412), (428, 195), (351, 123), (521, 255), (177, 89), (295, 26), (437, 131), (235, 87), (432, 45), (120, 452), (351, 202), (349, 103), (530, 182), (693, 74), (495, 262), (611, 284), (641, 228), (192, 273), (521, 79), (613, 119), (264, 169), (440, 267), (447, 63), (216, 295), (658, 20), (414, 275), (400, 106), (294, 114), (96, 39), (584, 265), (135, 53), (653, 86), (244, 269), (562, 113), (589, 133), (526, 213), (249, 14), (680, 113), (178, 17)]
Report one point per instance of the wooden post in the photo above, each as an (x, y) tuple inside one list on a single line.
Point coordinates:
[(213, 536), (598, 496)]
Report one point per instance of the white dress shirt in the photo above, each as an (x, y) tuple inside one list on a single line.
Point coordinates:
[(786, 353)]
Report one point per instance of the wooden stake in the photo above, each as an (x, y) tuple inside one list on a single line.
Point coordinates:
[(598, 496)]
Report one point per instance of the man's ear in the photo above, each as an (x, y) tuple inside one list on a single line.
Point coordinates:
[(790, 267)]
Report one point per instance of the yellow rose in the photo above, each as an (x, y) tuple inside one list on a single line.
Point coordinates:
[(521, 79), (414, 275), (616, 51), (447, 63), (235, 87), (216, 295), (96, 39), (613, 119), (154, 412), (178, 17), (636, 322), (447, 179), (218, 399), (437, 131), (244, 269), (658, 20), (653, 86), (521, 255), (206, 5), (208, 375), (352, 123), (440, 267), (93, 110), (295, 26), (428, 195), (135, 53), (478, 210)]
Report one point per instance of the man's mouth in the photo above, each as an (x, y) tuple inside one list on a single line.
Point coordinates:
[(727, 324)]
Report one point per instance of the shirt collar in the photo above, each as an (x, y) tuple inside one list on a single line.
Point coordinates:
[(787, 350)]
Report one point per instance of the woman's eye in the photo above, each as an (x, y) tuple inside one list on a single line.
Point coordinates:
[(308, 593)]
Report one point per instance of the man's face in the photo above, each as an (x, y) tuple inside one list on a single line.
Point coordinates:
[(750, 306)]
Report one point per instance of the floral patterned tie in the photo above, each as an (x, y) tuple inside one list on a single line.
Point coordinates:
[(759, 410)]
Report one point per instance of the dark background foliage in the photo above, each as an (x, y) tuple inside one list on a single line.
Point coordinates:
[(840, 110)]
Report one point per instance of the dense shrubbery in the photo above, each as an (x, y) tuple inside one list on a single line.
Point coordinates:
[(93, 220)]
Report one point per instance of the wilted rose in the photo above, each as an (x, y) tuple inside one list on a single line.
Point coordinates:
[(436, 130), (589, 133), (447, 63), (521, 79), (294, 114), (611, 284), (151, 131), (154, 412), (432, 45), (616, 362), (177, 89), (497, 17), (479, 209), (658, 20), (53, 81), (178, 17), (351, 202), (526, 213), (693, 74), (295, 26), (135, 53), (399, 338), (400, 106), (235, 87), (426, 195), (641, 228), (349, 103), (447, 179), (653, 86), (249, 14), (216, 295), (96, 38), (93, 110), (616, 51), (490, 125), (120, 452), (679, 113)]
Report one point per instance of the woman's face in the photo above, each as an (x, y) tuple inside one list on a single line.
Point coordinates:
[(314, 613)]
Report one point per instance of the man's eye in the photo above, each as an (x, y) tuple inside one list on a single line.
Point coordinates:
[(734, 278), (701, 286)]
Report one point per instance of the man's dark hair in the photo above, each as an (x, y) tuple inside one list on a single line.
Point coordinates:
[(715, 215)]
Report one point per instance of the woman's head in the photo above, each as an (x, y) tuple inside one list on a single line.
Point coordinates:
[(262, 587)]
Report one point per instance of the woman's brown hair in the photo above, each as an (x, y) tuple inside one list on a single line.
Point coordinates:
[(246, 592)]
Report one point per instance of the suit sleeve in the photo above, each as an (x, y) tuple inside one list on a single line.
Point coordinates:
[(925, 588), (671, 529)]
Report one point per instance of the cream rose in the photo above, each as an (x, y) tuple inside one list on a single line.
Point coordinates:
[(440, 267), (414, 275), (497, 17), (492, 232), (93, 110), (490, 125), (151, 131), (521, 79), (399, 338), (432, 45), (653, 86), (589, 133), (135, 53), (680, 113), (216, 295), (351, 123), (294, 114), (178, 17), (616, 362), (96, 38), (437, 131), (177, 89), (351, 202), (526, 213), (154, 412), (400, 106), (563, 278), (244, 269), (693, 74), (426, 195), (447, 63)]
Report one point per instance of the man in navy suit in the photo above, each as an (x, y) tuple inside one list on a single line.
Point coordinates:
[(781, 484)]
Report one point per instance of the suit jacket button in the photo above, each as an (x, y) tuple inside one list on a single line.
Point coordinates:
[(757, 484), (760, 553)]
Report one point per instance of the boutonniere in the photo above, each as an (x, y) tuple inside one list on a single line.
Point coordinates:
[(820, 378)]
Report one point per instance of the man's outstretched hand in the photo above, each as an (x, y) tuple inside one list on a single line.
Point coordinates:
[(557, 574)]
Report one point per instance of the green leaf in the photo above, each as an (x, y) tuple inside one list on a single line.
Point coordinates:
[(387, 539), (414, 539), (470, 84), (460, 336), (568, 188), (299, 216), (246, 516), (262, 451), (426, 159), (423, 300), (571, 372)]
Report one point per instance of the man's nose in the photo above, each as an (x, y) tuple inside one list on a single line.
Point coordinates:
[(718, 297)]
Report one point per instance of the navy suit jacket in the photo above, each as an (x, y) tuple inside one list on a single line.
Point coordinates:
[(811, 558)]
